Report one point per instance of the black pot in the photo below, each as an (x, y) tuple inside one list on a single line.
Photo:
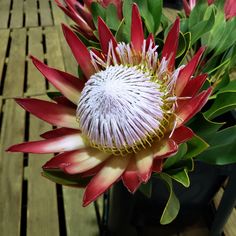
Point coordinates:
[(130, 214), (173, 4)]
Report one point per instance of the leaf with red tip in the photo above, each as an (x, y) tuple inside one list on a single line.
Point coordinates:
[(186, 73), (144, 159), (67, 84), (59, 132), (109, 174), (52, 113), (79, 51), (182, 134), (171, 45), (137, 35), (105, 36), (193, 86), (188, 108), (53, 145), (130, 177), (166, 148)]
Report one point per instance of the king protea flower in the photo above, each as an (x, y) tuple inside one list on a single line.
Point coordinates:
[(81, 14), (126, 118)]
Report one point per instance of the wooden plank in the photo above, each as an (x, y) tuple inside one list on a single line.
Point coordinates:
[(31, 13), (229, 229), (54, 54), (45, 13), (79, 220), (4, 13), (4, 37), (42, 213), (35, 81), (11, 169), (14, 82), (17, 14)]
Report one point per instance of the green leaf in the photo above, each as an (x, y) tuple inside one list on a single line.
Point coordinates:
[(222, 148), (127, 11), (228, 38), (223, 82), (187, 37), (145, 13), (112, 19), (230, 87), (172, 206), (121, 33), (53, 95), (181, 176), (170, 161), (203, 26), (196, 145), (182, 45), (97, 10), (204, 127), (155, 8), (224, 102), (60, 177), (146, 189)]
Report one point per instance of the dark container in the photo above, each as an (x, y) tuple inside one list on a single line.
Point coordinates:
[(131, 214)]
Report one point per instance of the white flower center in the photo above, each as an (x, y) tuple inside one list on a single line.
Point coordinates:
[(120, 109)]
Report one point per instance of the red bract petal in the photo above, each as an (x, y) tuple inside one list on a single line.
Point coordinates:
[(150, 39), (171, 45), (67, 84), (186, 73), (105, 36), (60, 144), (64, 159), (187, 8), (92, 171), (79, 51), (157, 165), (144, 159), (137, 35), (94, 158), (52, 113), (193, 86), (130, 177), (76, 18), (110, 173), (59, 132), (165, 149), (188, 108), (182, 134), (230, 9)]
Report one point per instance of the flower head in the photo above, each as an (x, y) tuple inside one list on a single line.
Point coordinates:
[(81, 13), (126, 118)]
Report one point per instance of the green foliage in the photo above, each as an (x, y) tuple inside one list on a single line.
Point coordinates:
[(222, 147), (172, 206)]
